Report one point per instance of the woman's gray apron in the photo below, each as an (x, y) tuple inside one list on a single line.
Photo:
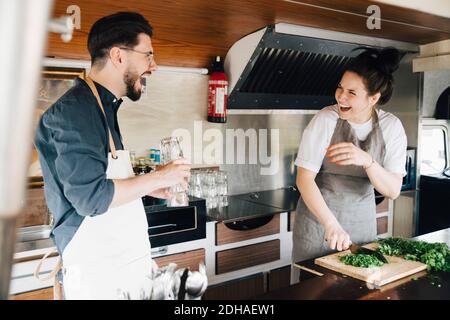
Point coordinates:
[(348, 193)]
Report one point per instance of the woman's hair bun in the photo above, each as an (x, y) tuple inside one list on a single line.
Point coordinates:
[(388, 60), (376, 67)]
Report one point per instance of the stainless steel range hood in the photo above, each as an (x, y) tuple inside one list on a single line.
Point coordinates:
[(285, 67)]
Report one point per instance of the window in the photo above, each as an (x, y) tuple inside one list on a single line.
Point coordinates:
[(434, 149)]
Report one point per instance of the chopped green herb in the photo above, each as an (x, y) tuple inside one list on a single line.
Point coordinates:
[(435, 255), (361, 260)]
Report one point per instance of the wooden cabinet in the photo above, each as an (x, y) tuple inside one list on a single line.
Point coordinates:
[(384, 216), (383, 206), (382, 225), (247, 256), (291, 221), (193, 44), (279, 278), (403, 221), (36, 210), (42, 294), (243, 288), (251, 286), (226, 235), (189, 259)]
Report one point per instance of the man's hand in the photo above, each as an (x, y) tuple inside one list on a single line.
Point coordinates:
[(173, 173), (163, 193)]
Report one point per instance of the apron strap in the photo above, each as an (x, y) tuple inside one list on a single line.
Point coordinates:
[(57, 288), (91, 85)]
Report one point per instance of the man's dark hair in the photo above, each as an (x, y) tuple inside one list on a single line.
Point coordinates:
[(376, 67), (119, 29)]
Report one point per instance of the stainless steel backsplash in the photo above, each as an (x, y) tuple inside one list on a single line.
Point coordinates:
[(244, 178)]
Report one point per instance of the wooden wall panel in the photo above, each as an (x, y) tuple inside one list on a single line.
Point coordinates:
[(239, 289), (383, 206), (191, 32), (189, 259), (382, 225), (36, 210), (226, 235), (248, 256), (42, 294)]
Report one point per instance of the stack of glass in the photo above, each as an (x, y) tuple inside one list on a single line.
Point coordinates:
[(210, 185), (170, 151)]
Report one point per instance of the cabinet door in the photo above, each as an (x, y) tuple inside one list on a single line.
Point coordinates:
[(243, 288), (42, 294), (226, 235), (189, 259), (279, 278), (247, 256)]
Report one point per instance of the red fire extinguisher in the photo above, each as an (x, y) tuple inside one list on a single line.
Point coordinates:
[(217, 93)]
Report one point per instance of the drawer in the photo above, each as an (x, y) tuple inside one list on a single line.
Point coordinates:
[(239, 289), (247, 256), (170, 225), (188, 259), (383, 206), (226, 235), (35, 212), (41, 294), (382, 225)]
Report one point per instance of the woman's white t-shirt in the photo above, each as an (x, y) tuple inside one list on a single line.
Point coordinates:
[(317, 136)]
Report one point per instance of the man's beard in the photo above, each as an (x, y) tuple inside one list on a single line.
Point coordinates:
[(130, 79)]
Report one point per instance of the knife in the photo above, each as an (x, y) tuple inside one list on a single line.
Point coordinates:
[(355, 249)]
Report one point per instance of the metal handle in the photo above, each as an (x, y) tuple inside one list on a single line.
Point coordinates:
[(159, 251), (163, 226)]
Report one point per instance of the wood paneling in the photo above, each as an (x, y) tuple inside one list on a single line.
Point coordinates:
[(383, 206), (189, 259), (382, 225), (248, 256), (403, 220), (291, 220), (279, 278), (36, 211), (226, 235), (240, 289), (42, 294), (191, 32)]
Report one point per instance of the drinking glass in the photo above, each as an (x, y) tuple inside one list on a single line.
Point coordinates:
[(170, 151)]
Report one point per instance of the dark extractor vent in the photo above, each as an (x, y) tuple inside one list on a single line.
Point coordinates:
[(290, 71), (287, 71), (293, 72)]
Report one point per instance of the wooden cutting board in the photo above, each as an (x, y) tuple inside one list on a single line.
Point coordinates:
[(397, 268)]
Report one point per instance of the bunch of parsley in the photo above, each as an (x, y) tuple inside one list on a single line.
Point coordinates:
[(435, 255)]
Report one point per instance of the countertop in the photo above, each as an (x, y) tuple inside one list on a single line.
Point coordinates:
[(255, 204), (332, 286), (240, 207)]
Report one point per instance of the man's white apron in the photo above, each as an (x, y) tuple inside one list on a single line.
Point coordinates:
[(109, 254)]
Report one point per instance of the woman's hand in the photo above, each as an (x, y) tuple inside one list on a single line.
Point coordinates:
[(336, 237), (346, 153)]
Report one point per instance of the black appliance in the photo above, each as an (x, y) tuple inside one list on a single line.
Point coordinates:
[(409, 181), (443, 105), (170, 225), (434, 213)]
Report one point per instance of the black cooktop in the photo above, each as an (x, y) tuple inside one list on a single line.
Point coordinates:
[(255, 204), (284, 198)]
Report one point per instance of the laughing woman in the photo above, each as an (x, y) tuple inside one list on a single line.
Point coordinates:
[(347, 150)]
